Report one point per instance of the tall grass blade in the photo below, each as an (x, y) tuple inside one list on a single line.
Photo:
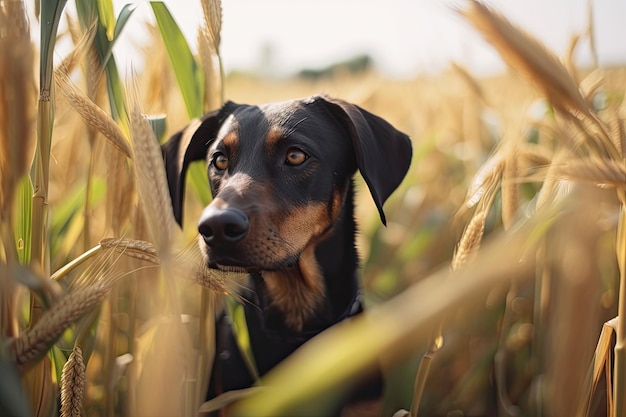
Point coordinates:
[(23, 220), (114, 29), (188, 74), (89, 12), (50, 16)]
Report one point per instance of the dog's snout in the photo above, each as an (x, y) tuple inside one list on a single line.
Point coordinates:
[(223, 226)]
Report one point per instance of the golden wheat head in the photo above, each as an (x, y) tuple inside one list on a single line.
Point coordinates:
[(528, 57), (73, 381)]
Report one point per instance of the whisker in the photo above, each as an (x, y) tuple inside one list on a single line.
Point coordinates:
[(292, 129)]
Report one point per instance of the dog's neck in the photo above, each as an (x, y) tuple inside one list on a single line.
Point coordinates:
[(322, 288)]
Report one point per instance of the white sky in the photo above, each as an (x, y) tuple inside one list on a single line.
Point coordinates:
[(403, 36)]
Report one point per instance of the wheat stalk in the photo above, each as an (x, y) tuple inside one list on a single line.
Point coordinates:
[(36, 341), (73, 382), (529, 57), (485, 180), (82, 41), (211, 279), (17, 98), (212, 10), (470, 241), (137, 249), (605, 172), (209, 39), (91, 114), (535, 154), (151, 181), (120, 196)]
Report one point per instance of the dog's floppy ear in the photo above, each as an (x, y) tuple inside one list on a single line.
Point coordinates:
[(383, 153), (188, 145)]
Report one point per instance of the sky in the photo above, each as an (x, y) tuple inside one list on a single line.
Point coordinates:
[(405, 37)]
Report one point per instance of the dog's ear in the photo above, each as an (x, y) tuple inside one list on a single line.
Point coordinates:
[(383, 153), (188, 145)]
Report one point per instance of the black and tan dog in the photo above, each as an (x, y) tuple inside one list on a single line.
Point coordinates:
[(282, 211)]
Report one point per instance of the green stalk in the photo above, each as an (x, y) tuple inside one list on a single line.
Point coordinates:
[(37, 381), (50, 16)]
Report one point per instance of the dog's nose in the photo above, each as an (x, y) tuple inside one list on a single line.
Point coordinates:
[(223, 226)]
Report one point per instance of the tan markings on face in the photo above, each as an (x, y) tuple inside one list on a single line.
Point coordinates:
[(304, 223), (339, 200), (231, 140), (274, 135), (299, 292)]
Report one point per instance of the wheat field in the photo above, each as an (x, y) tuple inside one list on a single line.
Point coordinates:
[(494, 290)]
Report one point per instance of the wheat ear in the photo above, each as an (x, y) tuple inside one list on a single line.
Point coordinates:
[(151, 181), (73, 384), (137, 249), (34, 343), (91, 114), (529, 57)]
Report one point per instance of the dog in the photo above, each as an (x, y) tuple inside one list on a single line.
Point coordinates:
[(281, 176)]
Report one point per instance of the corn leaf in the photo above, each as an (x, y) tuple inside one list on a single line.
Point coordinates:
[(188, 73)]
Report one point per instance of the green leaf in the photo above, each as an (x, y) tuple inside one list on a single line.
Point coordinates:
[(107, 16), (117, 98), (123, 18), (58, 358), (88, 11), (23, 219), (188, 73), (198, 178), (50, 16), (242, 337)]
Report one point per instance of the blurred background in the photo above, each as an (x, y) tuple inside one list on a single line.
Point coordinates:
[(402, 38)]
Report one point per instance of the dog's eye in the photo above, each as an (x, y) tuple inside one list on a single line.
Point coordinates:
[(220, 161), (295, 157)]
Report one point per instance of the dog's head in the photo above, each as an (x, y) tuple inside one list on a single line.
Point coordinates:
[(280, 174)]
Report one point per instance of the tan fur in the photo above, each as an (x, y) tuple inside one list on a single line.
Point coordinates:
[(273, 136), (231, 140), (299, 292)]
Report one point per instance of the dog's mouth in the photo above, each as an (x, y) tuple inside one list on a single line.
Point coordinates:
[(235, 268), (250, 269)]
